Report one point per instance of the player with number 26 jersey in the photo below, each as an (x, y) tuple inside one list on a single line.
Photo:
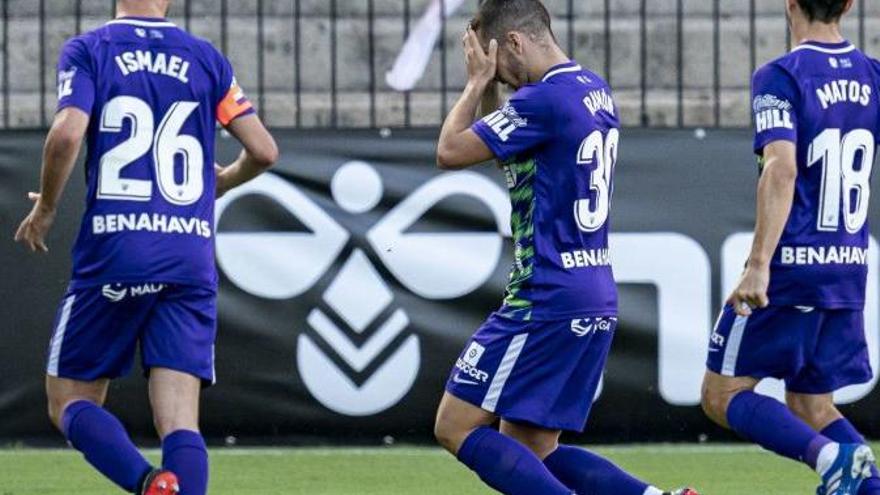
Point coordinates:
[(154, 93), (146, 97)]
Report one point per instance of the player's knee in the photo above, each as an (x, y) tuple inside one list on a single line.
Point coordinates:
[(446, 435), (714, 404)]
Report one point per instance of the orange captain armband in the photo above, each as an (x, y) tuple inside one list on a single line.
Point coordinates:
[(233, 105)]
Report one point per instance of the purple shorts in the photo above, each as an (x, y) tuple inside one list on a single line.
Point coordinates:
[(543, 373), (98, 328), (816, 351)]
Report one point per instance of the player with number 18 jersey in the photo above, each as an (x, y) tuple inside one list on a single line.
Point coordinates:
[(822, 97), (143, 263)]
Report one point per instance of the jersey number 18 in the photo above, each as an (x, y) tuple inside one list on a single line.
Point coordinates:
[(841, 180)]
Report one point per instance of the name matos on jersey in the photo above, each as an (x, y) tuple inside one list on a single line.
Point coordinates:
[(505, 121), (772, 112), (844, 91), (156, 63)]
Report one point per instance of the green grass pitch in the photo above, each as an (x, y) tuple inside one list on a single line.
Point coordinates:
[(713, 469)]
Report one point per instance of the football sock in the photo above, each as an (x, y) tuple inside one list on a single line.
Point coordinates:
[(844, 432), (184, 453), (769, 423), (508, 466), (103, 441), (586, 472)]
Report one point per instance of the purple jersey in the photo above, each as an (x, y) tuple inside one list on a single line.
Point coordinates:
[(558, 139), (154, 93), (823, 98)]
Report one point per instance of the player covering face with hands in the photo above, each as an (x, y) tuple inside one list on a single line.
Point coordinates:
[(536, 362), (147, 97), (797, 313)]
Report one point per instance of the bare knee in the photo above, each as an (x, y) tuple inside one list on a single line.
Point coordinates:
[(61, 392), (718, 391), (818, 411), (456, 420)]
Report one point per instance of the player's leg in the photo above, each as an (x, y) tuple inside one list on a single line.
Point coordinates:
[(578, 469), (500, 461), (840, 359), (174, 397), (178, 350), (94, 340), (76, 409), (732, 402)]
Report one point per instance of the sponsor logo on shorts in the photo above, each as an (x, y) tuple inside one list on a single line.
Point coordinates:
[(805, 309), (468, 363), (585, 326), (118, 292)]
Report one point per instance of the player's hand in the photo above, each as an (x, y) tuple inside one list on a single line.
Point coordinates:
[(751, 293), (33, 229), (481, 66)]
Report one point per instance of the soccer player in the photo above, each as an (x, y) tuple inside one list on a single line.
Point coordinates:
[(797, 313), (537, 361), (146, 95)]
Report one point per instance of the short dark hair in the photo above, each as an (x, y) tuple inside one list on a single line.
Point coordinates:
[(496, 18), (826, 11)]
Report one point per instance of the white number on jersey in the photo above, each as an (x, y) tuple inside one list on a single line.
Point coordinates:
[(841, 180), (166, 143), (592, 215)]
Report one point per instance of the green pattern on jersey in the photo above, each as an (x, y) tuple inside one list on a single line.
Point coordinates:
[(522, 199)]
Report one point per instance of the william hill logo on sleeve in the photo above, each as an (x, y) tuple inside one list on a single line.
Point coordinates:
[(505, 121), (772, 112)]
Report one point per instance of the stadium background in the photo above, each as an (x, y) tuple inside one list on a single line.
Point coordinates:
[(357, 228)]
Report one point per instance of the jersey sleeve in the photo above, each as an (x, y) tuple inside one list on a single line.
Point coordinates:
[(233, 103), (76, 80), (775, 98), (520, 125)]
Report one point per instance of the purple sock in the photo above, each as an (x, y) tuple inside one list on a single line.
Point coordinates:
[(103, 441), (508, 466), (586, 473), (844, 432), (769, 423), (184, 453)]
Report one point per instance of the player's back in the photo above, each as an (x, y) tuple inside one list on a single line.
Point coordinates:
[(823, 97), (559, 139), (153, 92)]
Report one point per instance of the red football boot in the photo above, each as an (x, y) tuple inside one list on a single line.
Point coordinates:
[(160, 482)]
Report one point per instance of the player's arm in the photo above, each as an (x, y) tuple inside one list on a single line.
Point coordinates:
[(59, 157), (775, 197), (259, 154), (459, 147)]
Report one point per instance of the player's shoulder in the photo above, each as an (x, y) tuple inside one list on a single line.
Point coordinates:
[(84, 43)]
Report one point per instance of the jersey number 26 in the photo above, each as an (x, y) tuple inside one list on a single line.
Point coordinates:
[(166, 143)]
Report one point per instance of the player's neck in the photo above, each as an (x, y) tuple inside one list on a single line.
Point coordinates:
[(817, 31), (555, 56), (140, 12)]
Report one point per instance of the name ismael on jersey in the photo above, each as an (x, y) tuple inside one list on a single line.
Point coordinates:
[(159, 63), (145, 222)]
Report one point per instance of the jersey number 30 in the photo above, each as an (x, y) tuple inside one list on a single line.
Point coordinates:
[(840, 178), (166, 143), (591, 214)]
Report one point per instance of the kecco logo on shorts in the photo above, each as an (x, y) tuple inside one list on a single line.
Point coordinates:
[(359, 330)]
